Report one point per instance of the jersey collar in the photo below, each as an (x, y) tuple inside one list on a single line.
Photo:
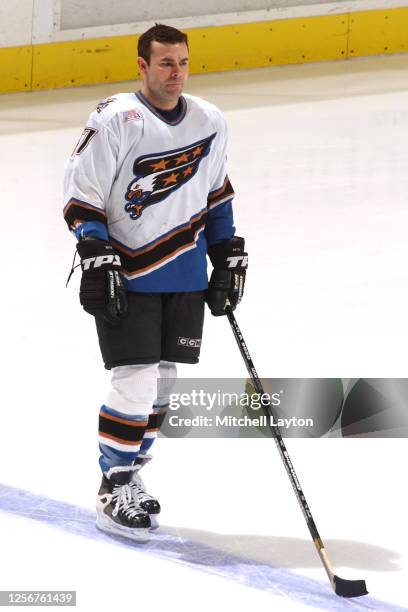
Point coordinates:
[(157, 113)]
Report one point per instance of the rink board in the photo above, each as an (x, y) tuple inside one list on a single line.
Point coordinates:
[(213, 49)]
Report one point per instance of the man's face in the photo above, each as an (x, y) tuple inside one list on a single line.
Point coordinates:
[(165, 75)]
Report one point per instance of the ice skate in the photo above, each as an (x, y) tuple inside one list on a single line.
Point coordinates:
[(140, 496), (117, 509)]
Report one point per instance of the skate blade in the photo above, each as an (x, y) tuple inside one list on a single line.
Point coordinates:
[(154, 523), (137, 535)]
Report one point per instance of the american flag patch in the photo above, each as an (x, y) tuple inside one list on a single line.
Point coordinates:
[(132, 115)]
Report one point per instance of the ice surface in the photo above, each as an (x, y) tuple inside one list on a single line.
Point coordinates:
[(319, 162)]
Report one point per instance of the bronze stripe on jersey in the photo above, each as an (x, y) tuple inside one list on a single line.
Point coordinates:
[(77, 211), (226, 191), (170, 245), (125, 421), (121, 430)]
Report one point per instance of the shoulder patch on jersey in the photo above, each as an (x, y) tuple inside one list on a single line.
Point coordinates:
[(134, 114), (159, 174), (104, 103)]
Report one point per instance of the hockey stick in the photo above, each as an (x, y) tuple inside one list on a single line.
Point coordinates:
[(342, 587)]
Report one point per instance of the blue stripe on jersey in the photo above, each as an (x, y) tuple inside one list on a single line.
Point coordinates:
[(147, 444), (92, 229), (188, 272), (111, 457), (161, 237), (220, 223), (122, 415)]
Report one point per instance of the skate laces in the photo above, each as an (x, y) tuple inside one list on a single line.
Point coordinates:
[(124, 501), (139, 489)]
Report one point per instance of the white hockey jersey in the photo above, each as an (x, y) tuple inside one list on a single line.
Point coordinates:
[(156, 189)]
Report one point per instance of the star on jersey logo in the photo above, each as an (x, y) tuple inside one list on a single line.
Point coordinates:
[(158, 175)]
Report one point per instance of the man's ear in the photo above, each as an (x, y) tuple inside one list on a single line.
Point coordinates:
[(141, 62)]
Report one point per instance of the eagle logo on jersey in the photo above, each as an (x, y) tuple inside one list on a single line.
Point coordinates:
[(158, 175)]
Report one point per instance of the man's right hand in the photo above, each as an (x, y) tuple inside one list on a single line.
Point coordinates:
[(227, 280), (102, 290)]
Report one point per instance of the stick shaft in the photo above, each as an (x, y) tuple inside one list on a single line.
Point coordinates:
[(300, 496)]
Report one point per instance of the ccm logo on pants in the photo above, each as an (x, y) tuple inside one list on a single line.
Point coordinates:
[(191, 342)]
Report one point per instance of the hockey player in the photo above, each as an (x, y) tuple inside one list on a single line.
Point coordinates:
[(147, 196)]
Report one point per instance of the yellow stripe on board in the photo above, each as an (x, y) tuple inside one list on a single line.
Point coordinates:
[(379, 32), (80, 62), (213, 49), (16, 68), (268, 43)]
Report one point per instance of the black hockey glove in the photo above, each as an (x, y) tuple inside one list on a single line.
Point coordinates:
[(102, 291), (228, 277)]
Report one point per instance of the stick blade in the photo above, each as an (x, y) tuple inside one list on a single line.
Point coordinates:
[(350, 588)]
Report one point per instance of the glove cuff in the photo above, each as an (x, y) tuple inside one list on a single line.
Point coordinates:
[(97, 254), (89, 247), (229, 254)]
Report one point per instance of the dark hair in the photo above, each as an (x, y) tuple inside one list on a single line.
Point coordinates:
[(160, 33)]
